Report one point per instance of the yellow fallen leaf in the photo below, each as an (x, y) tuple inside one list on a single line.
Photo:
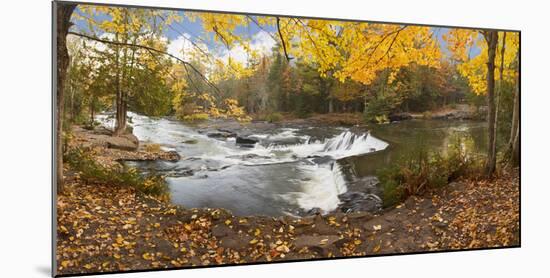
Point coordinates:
[(147, 256), (253, 241), (227, 222), (357, 242), (63, 229), (283, 248), (87, 266), (377, 227), (65, 263), (257, 232), (117, 256), (170, 211), (376, 248), (156, 225)]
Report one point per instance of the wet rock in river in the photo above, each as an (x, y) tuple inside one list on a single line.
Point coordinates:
[(220, 134), (322, 159), (369, 185), (353, 201), (282, 141), (246, 140), (314, 211), (249, 156)]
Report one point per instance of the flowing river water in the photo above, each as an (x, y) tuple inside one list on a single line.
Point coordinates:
[(288, 169)]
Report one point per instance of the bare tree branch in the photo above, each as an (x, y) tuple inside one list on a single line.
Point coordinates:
[(288, 58)]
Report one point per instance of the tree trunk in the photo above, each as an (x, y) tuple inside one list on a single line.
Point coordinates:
[(92, 112), (513, 145), (515, 117), (515, 150), (63, 16), (500, 84), (492, 39), (120, 125)]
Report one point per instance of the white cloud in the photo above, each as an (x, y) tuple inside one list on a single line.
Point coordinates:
[(181, 47), (91, 44), (261, 42)]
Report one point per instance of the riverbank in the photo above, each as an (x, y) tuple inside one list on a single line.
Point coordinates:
[(109, 150), (455, 112), (103, 227)]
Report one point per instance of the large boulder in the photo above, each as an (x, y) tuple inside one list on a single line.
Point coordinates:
[(126, 142)]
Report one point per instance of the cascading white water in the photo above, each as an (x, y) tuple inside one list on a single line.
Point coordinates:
[(349, 144), (320, 188), (286, 173), (344, 145)]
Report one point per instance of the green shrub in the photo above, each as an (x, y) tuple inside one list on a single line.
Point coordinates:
[(377, 110), (423, 170), (274, 117), (90, 171)]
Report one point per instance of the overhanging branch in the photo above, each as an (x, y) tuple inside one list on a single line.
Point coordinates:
[(288, 58), (150, 49)]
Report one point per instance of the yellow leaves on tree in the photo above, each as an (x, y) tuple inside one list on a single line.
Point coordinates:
[(460, 42)]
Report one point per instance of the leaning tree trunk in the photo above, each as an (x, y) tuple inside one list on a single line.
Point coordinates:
[(63, 13), (492, 40)]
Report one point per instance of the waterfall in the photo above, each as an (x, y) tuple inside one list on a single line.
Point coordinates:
[(349, 144), (321, 188), (343, 145)]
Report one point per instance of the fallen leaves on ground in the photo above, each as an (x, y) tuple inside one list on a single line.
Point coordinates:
[(103, 228)]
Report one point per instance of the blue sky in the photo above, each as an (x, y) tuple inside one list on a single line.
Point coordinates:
[(193, 30)]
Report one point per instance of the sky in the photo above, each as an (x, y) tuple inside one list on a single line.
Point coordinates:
[(180, 34)]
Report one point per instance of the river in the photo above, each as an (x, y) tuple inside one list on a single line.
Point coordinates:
[(292, 169)]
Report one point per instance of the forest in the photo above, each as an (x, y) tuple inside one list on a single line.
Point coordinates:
[(253, 78)]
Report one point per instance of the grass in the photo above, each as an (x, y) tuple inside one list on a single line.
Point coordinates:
[(424, 170), (90, 171)]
